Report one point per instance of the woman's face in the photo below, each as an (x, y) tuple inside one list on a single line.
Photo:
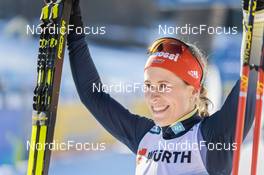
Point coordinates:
[(167, 96)]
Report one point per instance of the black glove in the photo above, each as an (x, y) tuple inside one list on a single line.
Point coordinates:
[(260, 4), (76, 17)]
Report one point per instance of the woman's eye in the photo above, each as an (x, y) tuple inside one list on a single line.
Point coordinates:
[(147, 86), (162, 87)]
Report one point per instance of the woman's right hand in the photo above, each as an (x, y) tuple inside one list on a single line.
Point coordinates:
[(76, 17)]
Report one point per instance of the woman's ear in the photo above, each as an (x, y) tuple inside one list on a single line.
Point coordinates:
[(193, 91), (194, 94)]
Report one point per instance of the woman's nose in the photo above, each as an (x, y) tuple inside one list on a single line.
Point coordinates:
[(154, 96)]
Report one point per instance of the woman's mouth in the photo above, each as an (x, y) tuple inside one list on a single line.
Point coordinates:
[(159, 109)]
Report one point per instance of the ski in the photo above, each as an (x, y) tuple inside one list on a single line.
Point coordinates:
[(54, 15), (38, 92), (248, 27)]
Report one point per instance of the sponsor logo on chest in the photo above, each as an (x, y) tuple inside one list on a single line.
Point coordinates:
[(164, 156)]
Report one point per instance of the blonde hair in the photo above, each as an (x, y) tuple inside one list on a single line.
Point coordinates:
[(203, 102)]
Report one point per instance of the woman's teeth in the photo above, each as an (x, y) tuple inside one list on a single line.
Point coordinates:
[(160, 109)]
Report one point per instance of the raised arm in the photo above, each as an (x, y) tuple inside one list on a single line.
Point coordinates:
[(126, 127), (222, 123), (220, 127)]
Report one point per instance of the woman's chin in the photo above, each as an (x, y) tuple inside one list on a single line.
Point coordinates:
[(160, 120)]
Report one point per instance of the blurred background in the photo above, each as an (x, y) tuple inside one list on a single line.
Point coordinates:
[(130, 26)]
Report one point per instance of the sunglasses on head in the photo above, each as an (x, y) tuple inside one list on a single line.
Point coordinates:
[(174, 46)]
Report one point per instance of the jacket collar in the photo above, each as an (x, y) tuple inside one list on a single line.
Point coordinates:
[(183, 125)]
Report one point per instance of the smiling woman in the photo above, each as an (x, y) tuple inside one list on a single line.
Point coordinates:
[(181, 70), (174, 79), (168, 106)]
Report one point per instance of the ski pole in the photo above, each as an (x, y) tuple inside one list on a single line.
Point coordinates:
[(248, 27), (258, 112)]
